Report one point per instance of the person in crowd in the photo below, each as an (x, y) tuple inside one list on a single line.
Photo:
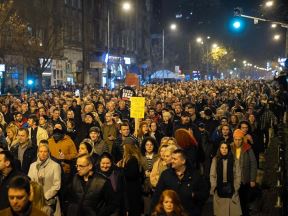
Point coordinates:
[(109, 130), (133, 171), (159, 166), (209, 120), (19, 195), (185, 123), (123, 110), (7, 171), (3, 123), (153, 115), (217, 132), (234, 121), (244, 155), (33, 109), (56, 118), (99, 145), (47, 173), (24, 151), (169, 204), (225, 180), (25, 110), (191, 109), (166, 124), (207, 147), (225, 135), (149, 156), (3, 141), (8, 117), (193, 190), (36, 133), (46, 125), (71, 129), (19, 121), (38, 200), (63, 149), (83, 132), (90, 192), (155, 132), (143, 131), (101, 112), (42, 111), (118, 181), (124, 134), (178, 111), (11, 138)]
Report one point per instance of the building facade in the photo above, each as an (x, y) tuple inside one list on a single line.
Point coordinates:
[(91, 42)]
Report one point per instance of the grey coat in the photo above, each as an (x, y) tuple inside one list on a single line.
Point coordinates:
[(225, 206), (248, 163), (47, 174)]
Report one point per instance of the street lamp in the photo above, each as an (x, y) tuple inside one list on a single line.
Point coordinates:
[(214, 46), (273, 25), (276, 37), (173, 27), (126, 6), (269, 4), (199, 40)]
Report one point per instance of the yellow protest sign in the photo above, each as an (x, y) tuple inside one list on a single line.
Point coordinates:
[(137, 107)]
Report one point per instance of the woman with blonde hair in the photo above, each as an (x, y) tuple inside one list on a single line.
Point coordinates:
[(159, 166), (164, 140), (169, 205), (11, 137), (133, 172), (37, 198), (2, 121)]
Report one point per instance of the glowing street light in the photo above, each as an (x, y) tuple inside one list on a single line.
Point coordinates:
[(276, 37), (215, 45), (199, 40), (126, 6), (173, 26), (273, 25), (269, 4), (244, 62)]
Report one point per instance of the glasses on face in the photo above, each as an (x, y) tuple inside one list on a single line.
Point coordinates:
[(81, 166)]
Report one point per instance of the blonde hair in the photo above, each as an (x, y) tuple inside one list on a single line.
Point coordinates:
[(37, 198), (164, 141), (171, 148), (3, 119)]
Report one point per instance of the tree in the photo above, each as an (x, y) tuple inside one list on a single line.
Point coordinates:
[(32, 31), (220, 58)]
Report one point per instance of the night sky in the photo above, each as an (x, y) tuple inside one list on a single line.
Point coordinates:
[(213, 18)]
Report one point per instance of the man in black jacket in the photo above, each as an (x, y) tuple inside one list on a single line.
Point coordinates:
[(91, 193), (24, 151), (7, 172), (186, 182)]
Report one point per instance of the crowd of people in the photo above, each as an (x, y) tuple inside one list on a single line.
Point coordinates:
[(65, 154)]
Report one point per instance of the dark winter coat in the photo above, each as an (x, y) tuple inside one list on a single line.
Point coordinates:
[(30, 155), (191, 182), (96, 197), (4, 181)]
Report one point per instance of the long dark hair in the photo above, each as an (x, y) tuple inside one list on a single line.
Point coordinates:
[(154, 143)]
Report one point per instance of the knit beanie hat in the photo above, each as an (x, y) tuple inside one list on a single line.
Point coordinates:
[(238, 133)]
